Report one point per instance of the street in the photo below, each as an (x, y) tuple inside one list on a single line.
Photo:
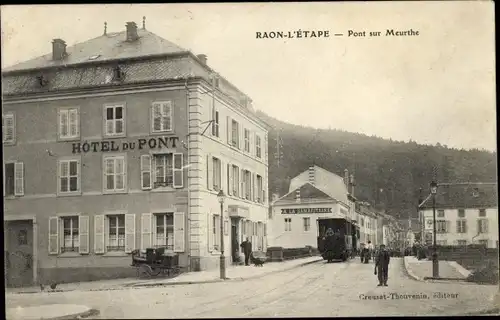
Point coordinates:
[(319, 289)]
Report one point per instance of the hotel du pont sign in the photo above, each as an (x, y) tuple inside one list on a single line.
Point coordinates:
[(306, 210), (113, 146)]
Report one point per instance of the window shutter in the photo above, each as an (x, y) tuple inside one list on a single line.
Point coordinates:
[(129, 232), (19, 180), (448, 226), (8, 127), (210, 172), (242, 184), (222, 173), (83, 234), (250, 142), (479, 226), (210, 233), (230, 179), (99, 234), (146, 179), (217, 231), (255, 190), (229, 130), (264, 149), (146, 232), (241, 137), (179, 233), (459, 223), (53, 235), (486, 226), (178, 170), (74, 129)]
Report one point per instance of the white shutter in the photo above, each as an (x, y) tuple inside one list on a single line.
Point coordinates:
[(229, 131), (178, 170), (99, 233), (19, 179), (179, 233), (230, 179), (53, 235), (255, 190), (242, 184), (146, 179), (74, 128), (210, 172), (209, 233), (448, 226), (9, 127), (222, 173), (129, 232), (83, 234), (241, 137), (146, 232), (250, 142)]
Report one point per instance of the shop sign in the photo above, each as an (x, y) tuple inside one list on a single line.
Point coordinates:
[(113, 146), (306, 210)]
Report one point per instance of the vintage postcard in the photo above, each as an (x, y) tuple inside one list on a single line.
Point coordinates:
[(210, 160)]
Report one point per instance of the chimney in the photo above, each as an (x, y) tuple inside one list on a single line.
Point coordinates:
[(352, 183), (132, 31), (203, 58), (297, 195), (58, 49), (346, 179), (312, 177)]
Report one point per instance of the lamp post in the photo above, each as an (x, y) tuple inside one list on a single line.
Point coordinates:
[(221, 196), (435, 261)]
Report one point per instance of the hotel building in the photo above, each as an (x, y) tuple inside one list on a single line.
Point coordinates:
[(123, 142)]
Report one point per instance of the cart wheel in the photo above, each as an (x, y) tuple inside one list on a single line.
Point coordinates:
[(144, 271), (154, 271)]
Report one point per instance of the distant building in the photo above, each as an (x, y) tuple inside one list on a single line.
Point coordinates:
[(123, 142), (315, 193), (465, 214)]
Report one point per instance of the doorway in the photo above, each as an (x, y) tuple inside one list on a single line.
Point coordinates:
[(19, 254), (235, 244)]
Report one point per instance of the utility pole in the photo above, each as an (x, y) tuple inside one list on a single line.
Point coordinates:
[(278, 154)]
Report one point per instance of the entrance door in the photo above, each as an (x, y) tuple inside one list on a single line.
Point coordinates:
[(19, 255), (235, 245)]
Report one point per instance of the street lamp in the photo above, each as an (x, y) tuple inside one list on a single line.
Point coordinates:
[(221, 197), (435, 261)]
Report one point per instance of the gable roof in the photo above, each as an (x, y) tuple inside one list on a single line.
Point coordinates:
[(111, 46), (473, 195), (307, 191)]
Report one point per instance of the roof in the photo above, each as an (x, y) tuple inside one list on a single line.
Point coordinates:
[(326, 181), (111, 46), (473, 195), (307, 191)]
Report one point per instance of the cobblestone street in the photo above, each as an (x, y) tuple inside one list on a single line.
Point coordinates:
[(319, 289)]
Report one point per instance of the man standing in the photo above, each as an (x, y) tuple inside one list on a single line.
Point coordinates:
[(247, 250), (382, 265)]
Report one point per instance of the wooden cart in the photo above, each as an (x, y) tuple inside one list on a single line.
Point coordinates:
[(155, 262)]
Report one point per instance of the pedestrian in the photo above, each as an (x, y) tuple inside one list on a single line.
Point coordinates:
[(382, 265), (247, 250)]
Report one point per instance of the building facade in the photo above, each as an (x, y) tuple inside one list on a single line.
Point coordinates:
[(464, 215), (121, 143), (315, 193)]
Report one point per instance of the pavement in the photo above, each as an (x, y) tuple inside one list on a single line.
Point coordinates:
[(315, 290), (51, 311), (448, 270)]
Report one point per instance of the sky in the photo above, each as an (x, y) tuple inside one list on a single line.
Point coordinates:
[(437, 87)]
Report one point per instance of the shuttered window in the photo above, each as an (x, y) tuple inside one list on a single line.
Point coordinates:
[(165, 170), (14, 179), (161, 116), (163, 230), (9, 127), (114, 120), (258, 147), (69, 234), (115, 174), (69, 176), (69, 123)]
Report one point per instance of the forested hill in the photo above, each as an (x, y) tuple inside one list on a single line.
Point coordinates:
[(388, 173)]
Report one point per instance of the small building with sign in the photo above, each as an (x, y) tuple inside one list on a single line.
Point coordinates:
[(315, 193), (123, 142), (465, 214)]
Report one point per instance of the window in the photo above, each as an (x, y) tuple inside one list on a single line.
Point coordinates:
[(216, 231), (116, 233), (163, 169), (236, 180), (9, 127), (247, 140), (114, 121), (260, 189), (258, 151), (14, 179), (164, 230), (482, 226), (69, 123), (483, 242), (461, 226), (115, 173), (161, 115), (482, 212), (441, 226), (246, 184), (440, 213), (70, 240), (462, 242), (461, 213), (217, 174), (235, 136), (307, 224), (215, 123), (288, 224), (69, 176), (362, 222), (475, 192)]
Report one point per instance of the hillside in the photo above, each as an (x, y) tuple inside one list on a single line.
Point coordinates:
[(388, 173)]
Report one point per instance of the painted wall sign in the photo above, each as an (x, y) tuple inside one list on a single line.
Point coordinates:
[(108, 146), (306, 210)]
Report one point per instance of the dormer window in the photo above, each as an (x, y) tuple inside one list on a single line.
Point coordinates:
[(118, 74), (42, 80), (475, 192)]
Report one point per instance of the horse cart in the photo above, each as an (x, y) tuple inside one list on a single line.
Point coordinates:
[(153, 262)]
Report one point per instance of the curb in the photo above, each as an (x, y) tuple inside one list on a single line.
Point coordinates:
[(80, 315), (410, 273), (219, 280)]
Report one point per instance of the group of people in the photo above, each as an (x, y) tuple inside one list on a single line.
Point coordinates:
[(382, 259)]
